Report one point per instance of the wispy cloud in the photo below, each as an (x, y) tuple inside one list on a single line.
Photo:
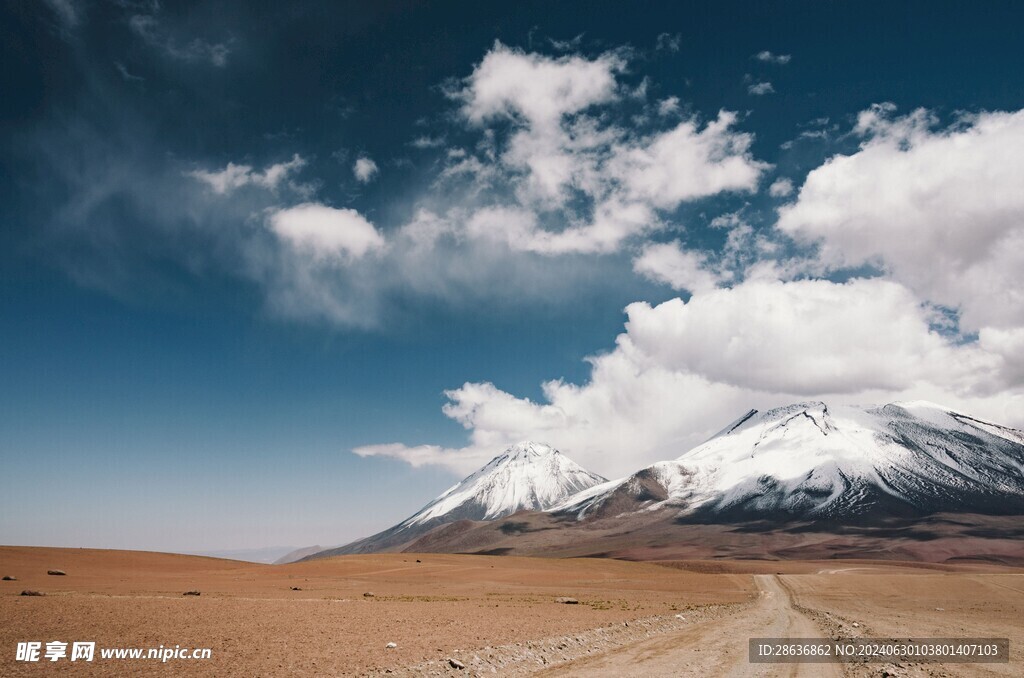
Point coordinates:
[(67, 12), (669, 42), (424, 142), (123, 71), (771, 58), (780, 188), (551, 163), (567, 45), (668, 106), (234, 176), (364, 169), (150, 29)]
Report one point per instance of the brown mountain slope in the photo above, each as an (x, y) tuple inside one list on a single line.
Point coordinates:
[(660, 535)]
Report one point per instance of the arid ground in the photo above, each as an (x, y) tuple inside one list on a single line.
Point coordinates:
[(491, 614)]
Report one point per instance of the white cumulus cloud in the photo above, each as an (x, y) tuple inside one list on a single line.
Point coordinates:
[(803, 337), (681, 371), (539, 89), (551, 146), (687, 162), (324, 232), (679, 268), (941, 210)]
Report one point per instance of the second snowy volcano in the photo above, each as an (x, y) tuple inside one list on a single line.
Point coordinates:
[(527, 476)]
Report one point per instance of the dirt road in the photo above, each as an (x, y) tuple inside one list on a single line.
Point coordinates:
[(713, 648)]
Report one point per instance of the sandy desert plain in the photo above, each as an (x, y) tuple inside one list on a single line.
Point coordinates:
[(495, 615)]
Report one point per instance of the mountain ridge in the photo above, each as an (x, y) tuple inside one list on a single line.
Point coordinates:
[(806, 460), (857, 476)]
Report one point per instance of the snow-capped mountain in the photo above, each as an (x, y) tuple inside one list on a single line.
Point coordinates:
[(812, 461), (526, 476), (906, 480)]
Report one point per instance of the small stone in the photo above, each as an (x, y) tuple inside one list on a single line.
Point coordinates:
[(391, 646), (567, 601), (190, 593), (296, 588), (368, 594), (56, 573), (856, 625), (679, 616), (8, 577), (32, 593), (456, 664)]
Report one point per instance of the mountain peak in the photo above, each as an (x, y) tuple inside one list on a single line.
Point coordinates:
[(814, 413), (527, 475), (527, 451)]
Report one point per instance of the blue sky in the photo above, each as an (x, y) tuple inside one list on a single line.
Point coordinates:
[(239, 243)]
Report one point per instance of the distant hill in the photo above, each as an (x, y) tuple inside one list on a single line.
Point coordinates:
[(298, 554)]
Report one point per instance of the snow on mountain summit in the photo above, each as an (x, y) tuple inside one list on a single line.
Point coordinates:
[(527, 475), (811, 460)]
